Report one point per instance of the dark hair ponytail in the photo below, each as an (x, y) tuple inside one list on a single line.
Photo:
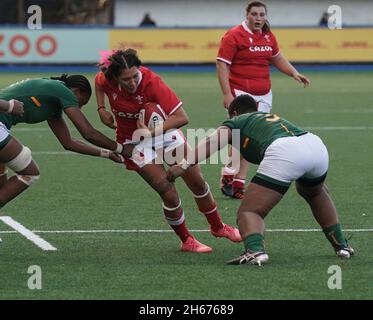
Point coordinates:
[(119, 61), (75, 81)]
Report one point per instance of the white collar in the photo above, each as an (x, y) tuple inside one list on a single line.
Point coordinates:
[(245, 26)]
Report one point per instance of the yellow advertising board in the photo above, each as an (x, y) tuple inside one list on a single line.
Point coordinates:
[(324, 45), (201, 45)]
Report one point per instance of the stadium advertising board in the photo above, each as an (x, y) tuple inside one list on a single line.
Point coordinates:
[(78, 45), (201, 45), (51, 45), (324, 45)]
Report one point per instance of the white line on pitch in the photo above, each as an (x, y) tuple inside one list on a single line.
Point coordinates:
[(326, 128), (167, 230), (41, 243)]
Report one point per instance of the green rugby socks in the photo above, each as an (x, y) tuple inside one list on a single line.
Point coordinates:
[(335, 236), (254, 242)]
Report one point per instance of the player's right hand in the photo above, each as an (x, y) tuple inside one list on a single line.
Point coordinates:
[(18, 109), (116, 157), (228, 98), (107, 118)]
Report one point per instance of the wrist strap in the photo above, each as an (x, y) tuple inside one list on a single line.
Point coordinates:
[(104, 153), (11, 106), (119, 148), (101, 107)]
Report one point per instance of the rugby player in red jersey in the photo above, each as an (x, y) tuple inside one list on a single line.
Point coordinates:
[(129, 86), (245, 54)]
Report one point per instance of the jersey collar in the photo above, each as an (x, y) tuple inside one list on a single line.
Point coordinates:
[(246, 28)]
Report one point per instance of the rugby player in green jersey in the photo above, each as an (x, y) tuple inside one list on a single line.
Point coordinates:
[(46, 100), (284, 154)]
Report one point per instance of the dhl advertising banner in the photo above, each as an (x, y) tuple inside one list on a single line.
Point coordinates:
[(324, 45), (170, 46), (82, 45), (51, 45), (201, 45)]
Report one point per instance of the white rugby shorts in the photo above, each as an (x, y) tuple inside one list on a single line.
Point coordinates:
[(264, 102), (291, 158), (149, 149), (4, 132)]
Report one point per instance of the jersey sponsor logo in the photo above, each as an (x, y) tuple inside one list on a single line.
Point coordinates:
[(127, 115), (260, 48)]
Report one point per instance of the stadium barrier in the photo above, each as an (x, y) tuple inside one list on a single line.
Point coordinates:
[(80, 45)]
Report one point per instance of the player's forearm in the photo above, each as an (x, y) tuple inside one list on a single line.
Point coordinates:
[(81, 147), (100, 96), (97, 138), (213, 143), (4, 105), (175, 122), (222, 70), (282, 64)]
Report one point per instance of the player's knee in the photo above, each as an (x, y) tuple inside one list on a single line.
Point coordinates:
[(164, 188), (171, 200), (201, 190), (25, 168), (167, 192), (21, 161), (245, 213)]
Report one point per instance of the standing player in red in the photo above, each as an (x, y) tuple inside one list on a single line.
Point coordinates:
[(129, 86), (244, 56)]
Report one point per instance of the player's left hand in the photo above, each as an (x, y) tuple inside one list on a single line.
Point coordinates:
[(302, 79), (116, 157), (127, 150), (147, 132), (174, 172)]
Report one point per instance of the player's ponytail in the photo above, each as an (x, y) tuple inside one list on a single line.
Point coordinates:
[(266, 27), (119, 61), (75, 81)]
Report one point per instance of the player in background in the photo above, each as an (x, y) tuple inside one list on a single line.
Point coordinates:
[(129, 86), (45, 100), (284, 154), (243, 60)]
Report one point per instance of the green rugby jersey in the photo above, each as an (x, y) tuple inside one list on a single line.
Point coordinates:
[(43, 99), (258, 130)]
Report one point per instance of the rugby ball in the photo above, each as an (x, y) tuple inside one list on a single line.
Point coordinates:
[(152, 115)]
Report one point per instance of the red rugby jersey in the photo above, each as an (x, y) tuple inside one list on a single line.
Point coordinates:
[(248, 55), (126, 106)]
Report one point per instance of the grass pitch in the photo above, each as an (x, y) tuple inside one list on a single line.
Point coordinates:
[(79, 192)]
